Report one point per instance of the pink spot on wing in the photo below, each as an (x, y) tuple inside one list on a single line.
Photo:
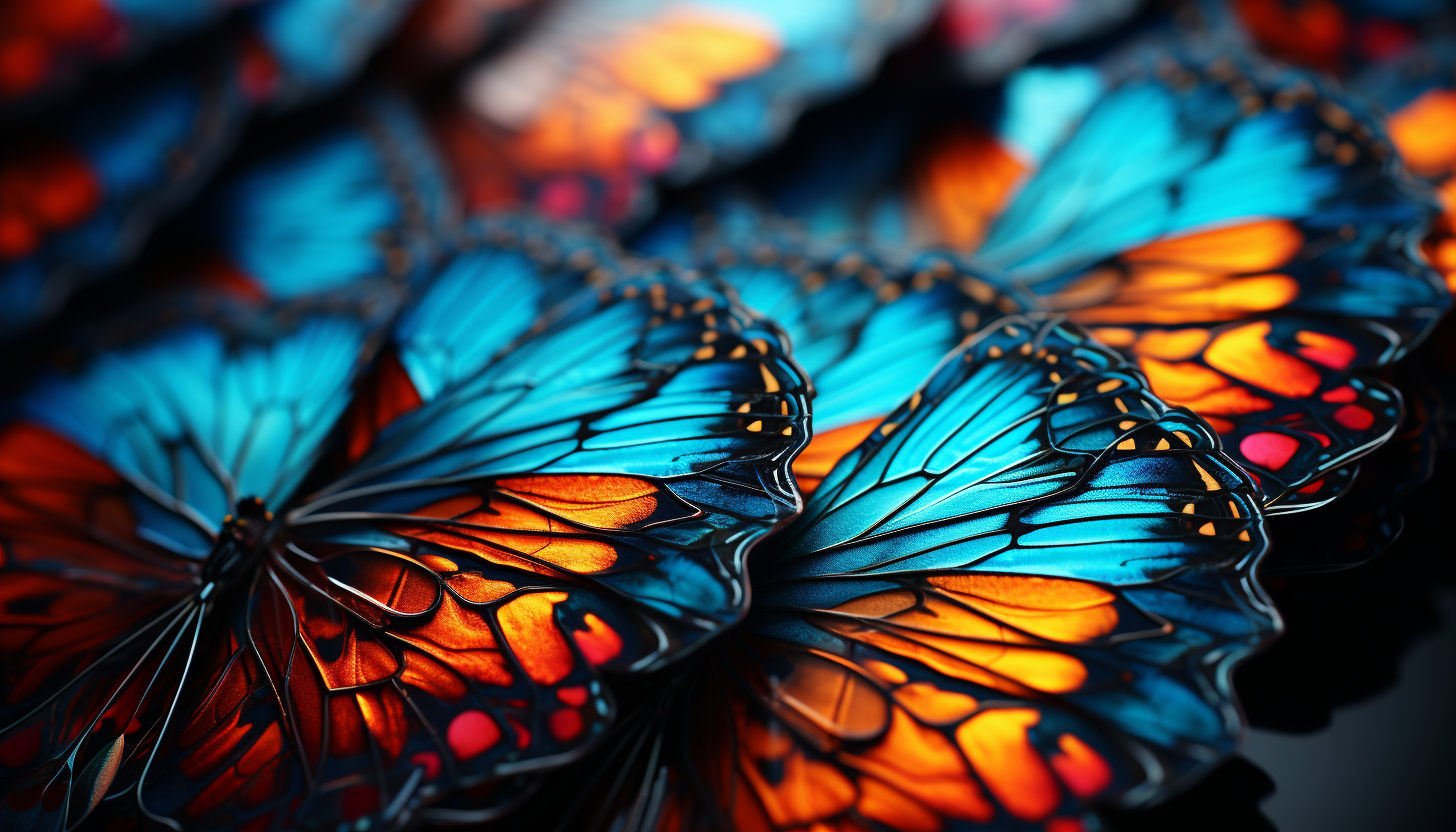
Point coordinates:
[(471, 733), (1269, 450)]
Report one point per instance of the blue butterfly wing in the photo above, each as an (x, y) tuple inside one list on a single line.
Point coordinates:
[(120, 478), (866, 326), (124, 159), (318, 45), (628, 91), (1025, 591), (363, 199), (546, 497)]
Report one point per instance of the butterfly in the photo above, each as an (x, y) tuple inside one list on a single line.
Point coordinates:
[(269, 566), (359, 195), (1024, 590), (597, 98), (81, 192), (1235, 228)]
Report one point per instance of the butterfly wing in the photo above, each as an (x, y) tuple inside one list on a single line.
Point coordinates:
[(119, 477), (1023, 592), (79, 199), (598, 98), (867, 327), (364, 197), (546, 500)]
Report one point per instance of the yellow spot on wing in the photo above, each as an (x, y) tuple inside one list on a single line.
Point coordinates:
[(770, 383), (1208, 481)]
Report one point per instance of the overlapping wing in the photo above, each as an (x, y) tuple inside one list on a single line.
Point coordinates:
[(1165, 198), (79, 198), (597, 98), (867, 327), (118, 482), (365, 198), (1025, 591)]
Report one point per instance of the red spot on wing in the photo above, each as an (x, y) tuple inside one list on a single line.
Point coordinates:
[(599, 643), (1355, 417), (471, 734), (1332, 352), (575, 696), (565, 724), (1080, 767), (430, 761), (1344, 394), (1269, 450)]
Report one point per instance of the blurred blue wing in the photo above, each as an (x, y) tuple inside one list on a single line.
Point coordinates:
[(319, 44), (364, 198), (134, 154)]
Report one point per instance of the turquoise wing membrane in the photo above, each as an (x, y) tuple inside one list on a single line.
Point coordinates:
[(361, 199), (87, 192), (1024, 593), (867, 325), (317, 46), (122, 477), (1166, 199), (649, 383)]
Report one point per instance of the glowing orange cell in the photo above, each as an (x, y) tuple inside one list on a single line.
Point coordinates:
[(806, 791), (598, 643), (998, 747), (1270, 450), (883, 803), (1080, 767), (1052, 608), (826, 449), (1180, 382), (1171, 345), (679, 61), (934, 706), (384, 715), (529, 625), (1250, 247), (1424, 131), (383, 396), (1244, 354), (599, 502), (457, 637), (963, 183), (833, 697), (471, 734), (476, 588)]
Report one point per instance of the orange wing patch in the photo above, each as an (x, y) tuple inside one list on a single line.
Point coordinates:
[(963, 183), (826, 449), (1218, 275), (603, 117), (1424, 131), (541, 524)]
